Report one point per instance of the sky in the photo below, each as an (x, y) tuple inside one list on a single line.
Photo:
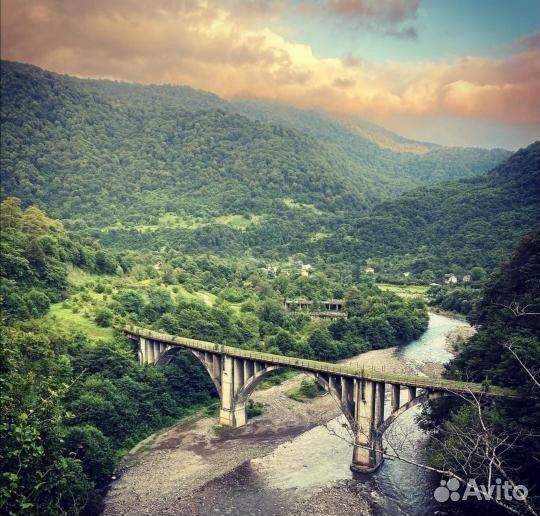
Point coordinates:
[(456, 72)]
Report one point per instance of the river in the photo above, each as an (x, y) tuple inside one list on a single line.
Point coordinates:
[(288, 463)]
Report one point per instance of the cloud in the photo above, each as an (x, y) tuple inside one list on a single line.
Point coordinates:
[(351, 60), (388, 11), (344, 83), (220, 47), (530, 41), (405, 33)]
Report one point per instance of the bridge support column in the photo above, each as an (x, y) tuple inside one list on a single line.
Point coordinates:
[(369, 415), (412, 393), (231, 413)]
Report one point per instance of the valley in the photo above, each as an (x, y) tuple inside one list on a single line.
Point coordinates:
[(271, 229)]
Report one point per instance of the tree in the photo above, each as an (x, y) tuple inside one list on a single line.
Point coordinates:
[(37, 477), (131, 301), (283, 341), (321, 343), (37, 302), (88, 444), (35, 222), (103, 317), (160, 302), (10, 214), (105, 263), (478, 273)]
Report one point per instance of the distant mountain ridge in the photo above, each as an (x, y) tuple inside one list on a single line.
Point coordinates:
[(367, 142)]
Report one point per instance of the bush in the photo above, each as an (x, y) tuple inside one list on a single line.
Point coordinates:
[(254, 408), (103, 317), (308, 389)]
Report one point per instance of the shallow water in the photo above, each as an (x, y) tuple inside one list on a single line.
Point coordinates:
[(431, 346)]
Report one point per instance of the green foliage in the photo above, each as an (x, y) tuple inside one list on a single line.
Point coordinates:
[(449, 228), (218, 212), (254, 408), (36, 252), (104, 317), (460, 300), (506, 317), (232, 177), (131, 301), (308, 389), (88, 445), (37, 476), (68, 404)]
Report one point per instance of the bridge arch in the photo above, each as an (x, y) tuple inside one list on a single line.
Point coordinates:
[(207, 362), (361, 396)]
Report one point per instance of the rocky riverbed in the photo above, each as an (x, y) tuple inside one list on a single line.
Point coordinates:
[(268, 467), (181, 469)]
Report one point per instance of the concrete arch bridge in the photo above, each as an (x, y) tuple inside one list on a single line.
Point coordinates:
[(360, 393)]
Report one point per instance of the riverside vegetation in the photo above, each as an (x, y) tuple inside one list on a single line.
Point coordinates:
[(198, 217)]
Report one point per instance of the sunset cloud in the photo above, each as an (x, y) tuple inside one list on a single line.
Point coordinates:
[(231, 52), (391, 11)]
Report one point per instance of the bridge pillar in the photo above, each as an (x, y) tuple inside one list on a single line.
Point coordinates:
[(369, 416), (412, 393), (232, 413), (395, 398), (378, 421)]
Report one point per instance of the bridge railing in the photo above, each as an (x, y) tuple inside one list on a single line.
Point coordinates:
[(371, 373)]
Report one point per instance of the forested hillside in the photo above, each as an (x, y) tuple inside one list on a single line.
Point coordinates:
[(186, 213), (373, 147), (120, 157), (451, 227), (506, 352)]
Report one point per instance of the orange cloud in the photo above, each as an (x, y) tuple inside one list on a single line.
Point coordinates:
[(219, 47)]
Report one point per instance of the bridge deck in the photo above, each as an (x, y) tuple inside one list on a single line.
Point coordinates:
[(377, 375)]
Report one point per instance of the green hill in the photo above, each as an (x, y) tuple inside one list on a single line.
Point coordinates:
[(372, 147), (100, 153), (462, 224)]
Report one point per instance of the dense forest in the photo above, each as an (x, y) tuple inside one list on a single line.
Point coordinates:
[(506, 352), (150, 166), (451, 227)]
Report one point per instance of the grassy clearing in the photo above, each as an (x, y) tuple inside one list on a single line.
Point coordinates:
[(80, 278), (174, 221), (405, 290), (295, 205), (64, 318), (206, 297)]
